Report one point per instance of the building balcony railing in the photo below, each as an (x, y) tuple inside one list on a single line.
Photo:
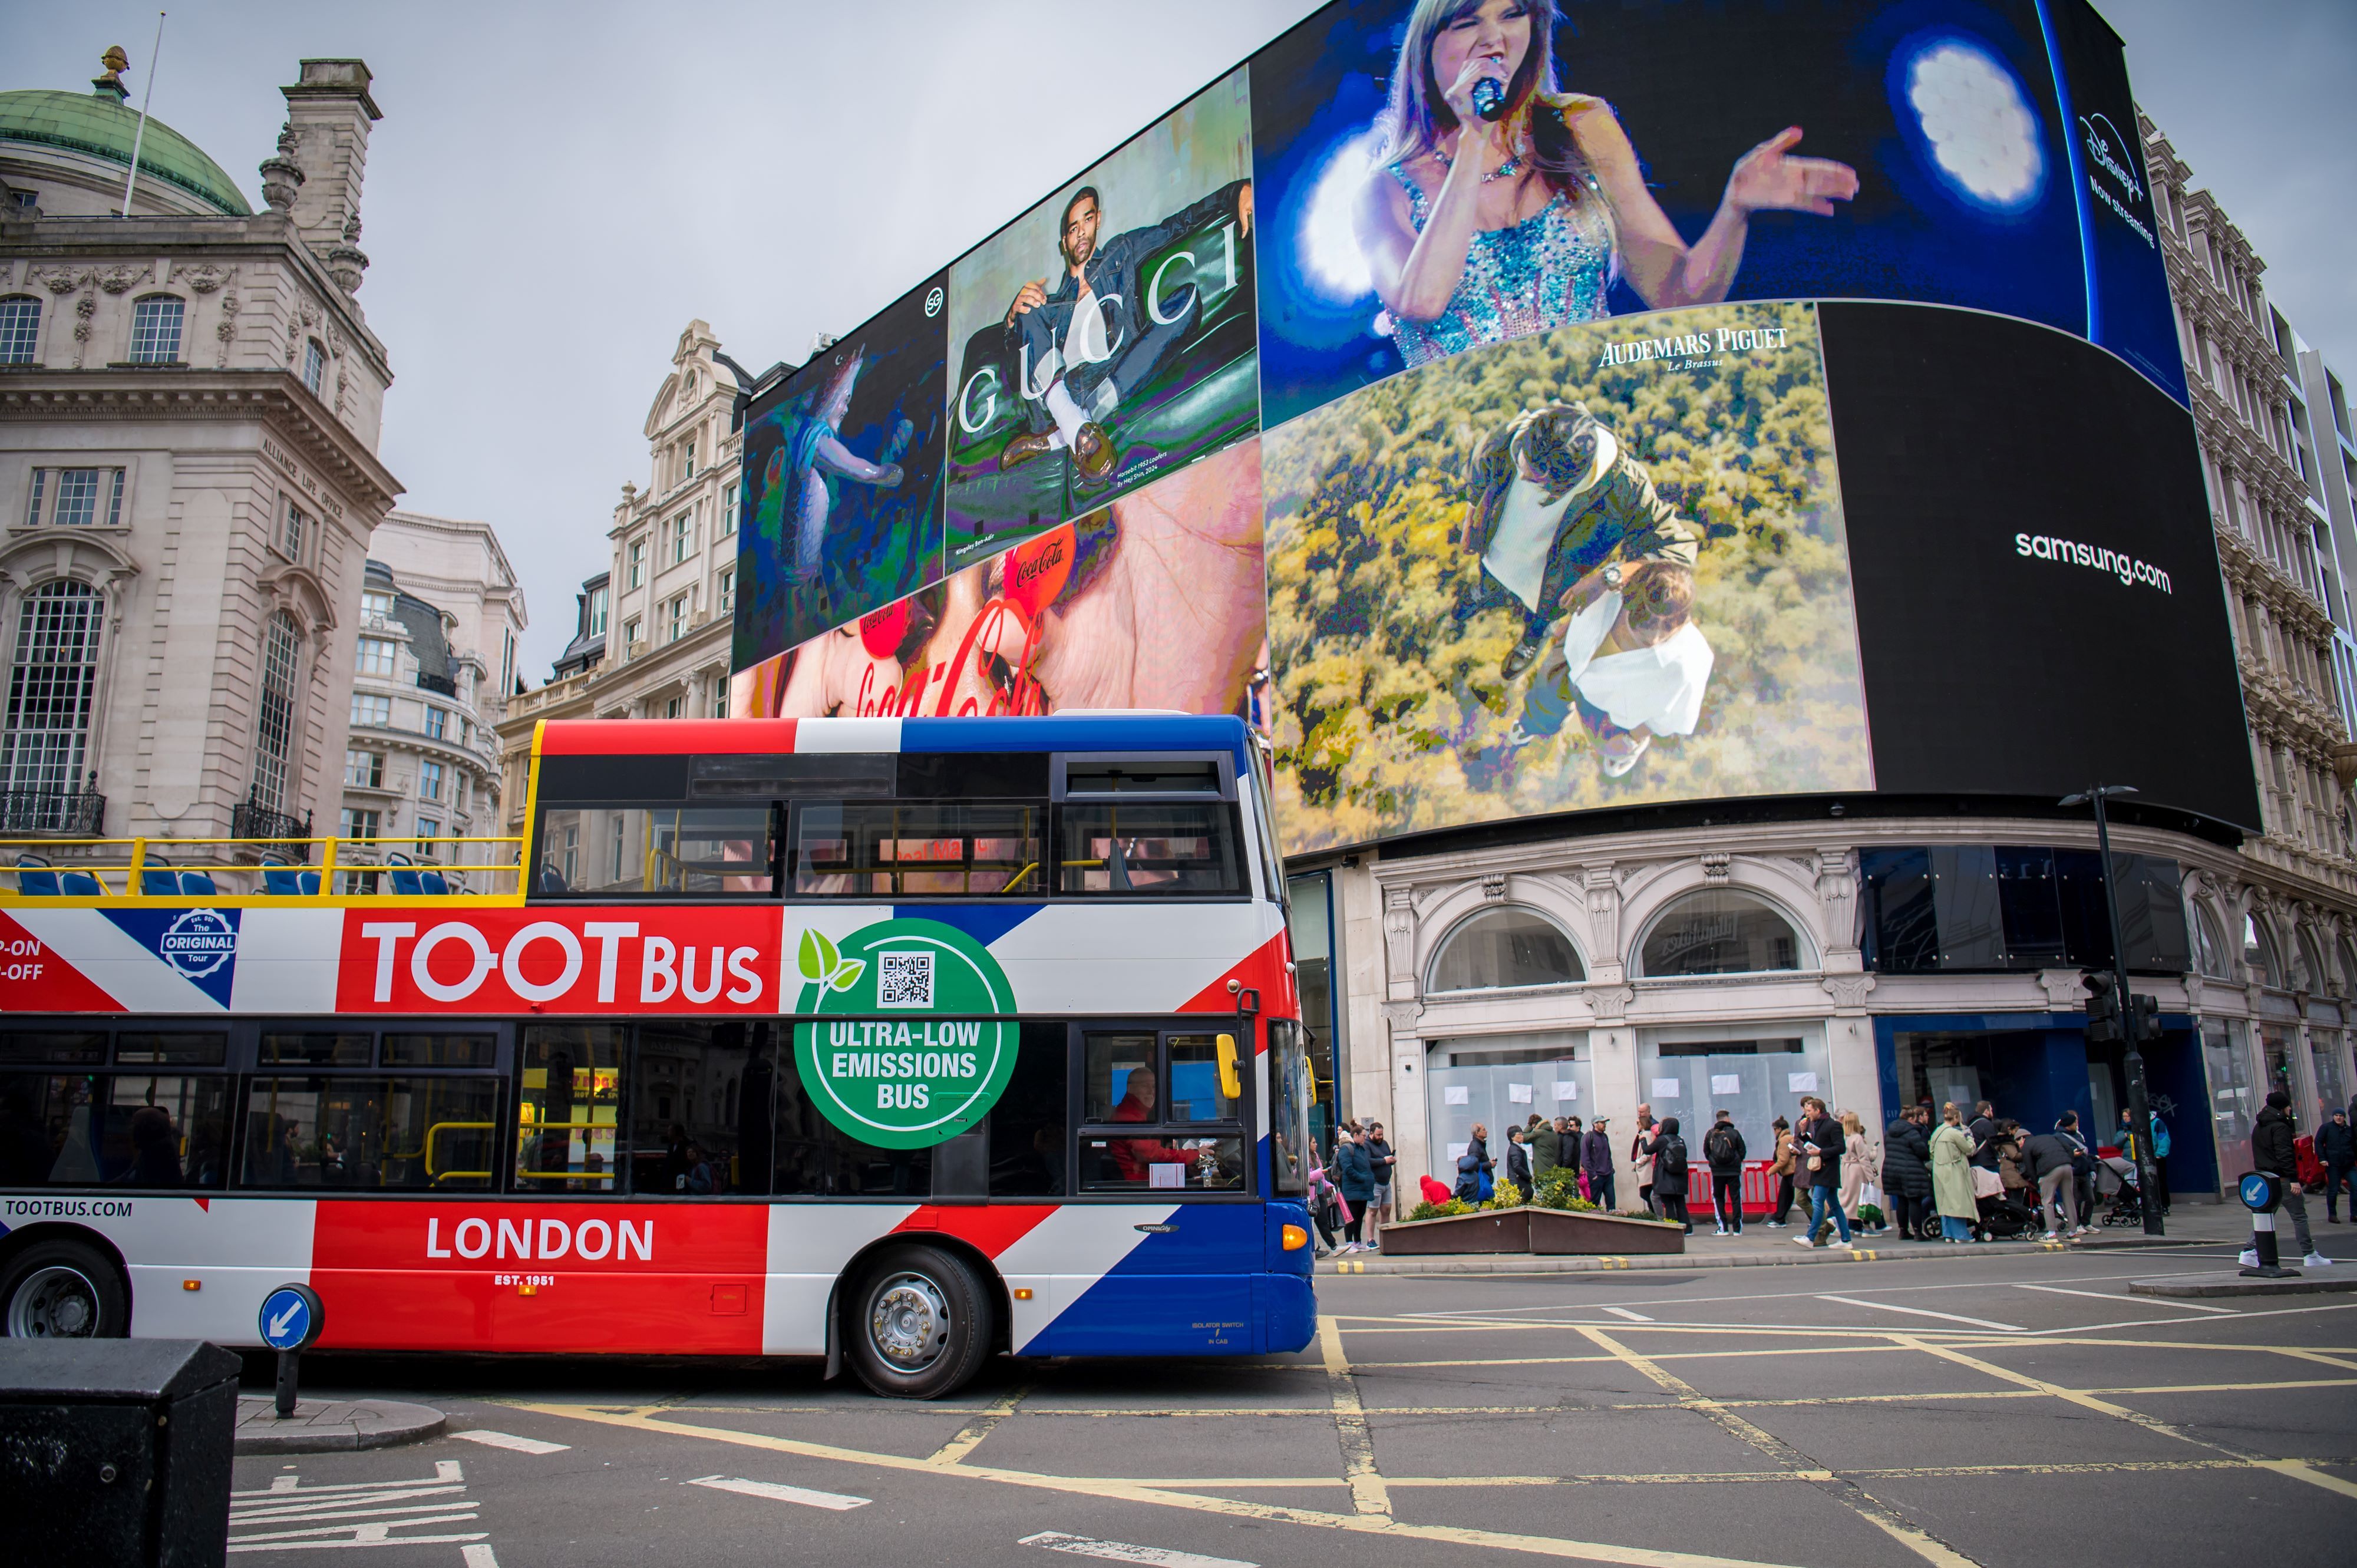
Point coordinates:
[(76, 813), (438, 683), (276, 830)]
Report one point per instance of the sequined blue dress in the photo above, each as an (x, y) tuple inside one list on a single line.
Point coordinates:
[(1551, 269)]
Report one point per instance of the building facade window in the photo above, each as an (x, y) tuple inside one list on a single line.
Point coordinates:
[(428, 830), (720, 697), (359, 824), (2210, 947), (429, 781), (374, 603), (631, 630), (1718, 932), (371, 708), (377, 656), (678, 618), (1503, 948), (728, 589), (274, 726), (2259, 953), (156, 330), (598, 603), (727, 528), (291, 529), (77, 498), (364, 769), (682, 537), (20, 328), (39, 491), (52, 687), (507, 663), (437, 723), (638, 573), (314, 365), (688, 453), (672, 707)]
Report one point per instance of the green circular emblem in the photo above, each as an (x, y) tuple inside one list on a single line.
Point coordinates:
[(909, 1050)]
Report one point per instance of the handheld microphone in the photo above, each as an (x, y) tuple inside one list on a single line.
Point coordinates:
[(1490, 98)]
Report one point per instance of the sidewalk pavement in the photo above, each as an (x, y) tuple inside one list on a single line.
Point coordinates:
[(328, 1426), (2188, 1224)]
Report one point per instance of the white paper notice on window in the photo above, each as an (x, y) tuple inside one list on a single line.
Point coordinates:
[(1565, 1089), (1726, 1083), (1520, 1093), (1166, 1176), (1800, 1083), (1668, 1088), (1455, 1094), (1456, 1152)]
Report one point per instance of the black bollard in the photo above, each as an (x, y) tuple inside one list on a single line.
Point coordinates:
[(2261, 1194), (291, 1318), (288, 1364)]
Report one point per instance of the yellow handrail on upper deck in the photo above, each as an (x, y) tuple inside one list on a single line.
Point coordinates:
[(119, 867)]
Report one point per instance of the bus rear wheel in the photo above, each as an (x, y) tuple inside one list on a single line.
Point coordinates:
[(919, 1324), (63, 1290)]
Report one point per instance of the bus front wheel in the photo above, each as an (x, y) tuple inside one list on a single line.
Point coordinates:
[(919, 1323), (63, 1290)]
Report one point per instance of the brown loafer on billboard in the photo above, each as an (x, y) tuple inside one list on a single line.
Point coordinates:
[(1022, 449), (1093, 451)]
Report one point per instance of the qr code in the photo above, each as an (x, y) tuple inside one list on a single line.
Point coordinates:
[(904, 980)]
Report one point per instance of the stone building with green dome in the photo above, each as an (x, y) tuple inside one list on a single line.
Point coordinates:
[(190, 397)]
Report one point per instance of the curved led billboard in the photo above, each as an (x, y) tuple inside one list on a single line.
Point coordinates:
[(1516, 408)]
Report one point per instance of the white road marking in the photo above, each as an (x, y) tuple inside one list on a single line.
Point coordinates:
[(353, 1513), (1631, 1317), (510, 1440), (479, 1557), (1926, 1312), (2123, 1301), (1122, 1551), (776, 1492)]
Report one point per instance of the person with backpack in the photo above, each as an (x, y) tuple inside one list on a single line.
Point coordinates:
[(2275, 1148), (2159, 1153), (1668, 1153), (1474, 1180), (1819, 1143), (1907, 1173), (1596, 1164), (1723, 1151), (1354, 1176)]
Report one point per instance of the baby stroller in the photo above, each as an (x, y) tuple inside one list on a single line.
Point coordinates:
[(2116, 1180), (2003, 1217)]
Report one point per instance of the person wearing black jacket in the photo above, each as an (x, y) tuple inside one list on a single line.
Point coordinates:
[(1380, 1155), (1907, 1172), (1818, 1143), (1518, 1160), (2272, 1140), (2050, 1161), (1669, 1152), (2336, 1145), (1984, 1130), (1472, 1163), (1723, 1151), (1596, 1164)]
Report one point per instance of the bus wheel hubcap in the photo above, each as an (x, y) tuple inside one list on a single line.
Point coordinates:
[(909, 1323), (54, 1304)]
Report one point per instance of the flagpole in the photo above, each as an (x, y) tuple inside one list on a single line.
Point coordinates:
[(145, 100)]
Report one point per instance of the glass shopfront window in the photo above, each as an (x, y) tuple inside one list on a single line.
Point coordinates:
[(2327, 1051), (1759, 1073), (1500, 1081), (2234, 1098)]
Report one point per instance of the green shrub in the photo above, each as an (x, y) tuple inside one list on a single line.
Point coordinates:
[(1455, 1206), (1561, 1191), (1507, 1196)]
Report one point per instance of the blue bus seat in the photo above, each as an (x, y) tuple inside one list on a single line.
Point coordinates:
[(433, 884), (80, 885), (34, 878), (406, 880), (199, 883), (310, 884), (155, 883)]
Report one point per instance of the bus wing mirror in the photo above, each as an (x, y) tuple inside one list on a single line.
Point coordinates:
[(1231, 1083)]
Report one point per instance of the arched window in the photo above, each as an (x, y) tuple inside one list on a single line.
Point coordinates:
[(273, 727), (1720, 931), (2259, 952), (20, 328), (1498, 948), (2211, 956), (156, 330), (2308, 972), (2348, 957), (314, 365), (52, 686)]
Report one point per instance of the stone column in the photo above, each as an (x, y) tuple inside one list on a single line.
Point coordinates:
[(330, 112), (1411, 1137)]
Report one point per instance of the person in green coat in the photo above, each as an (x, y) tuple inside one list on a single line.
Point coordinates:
[(1546, 1150), (1951, 1176)]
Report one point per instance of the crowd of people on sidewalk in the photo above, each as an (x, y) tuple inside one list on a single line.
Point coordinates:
[(1957, 1176)]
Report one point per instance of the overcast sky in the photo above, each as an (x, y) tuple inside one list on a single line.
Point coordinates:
[(556, 190)]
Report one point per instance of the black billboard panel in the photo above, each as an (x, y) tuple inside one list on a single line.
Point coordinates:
[(842, 508), (2038, 600)]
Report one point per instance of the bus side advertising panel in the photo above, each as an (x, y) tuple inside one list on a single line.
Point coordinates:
[(675, 959)]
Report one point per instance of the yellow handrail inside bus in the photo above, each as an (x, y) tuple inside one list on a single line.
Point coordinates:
[(434, 1132)]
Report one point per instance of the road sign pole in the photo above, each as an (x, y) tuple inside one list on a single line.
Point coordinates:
[(288, 1361), (2139, 1104), (291, 1318)]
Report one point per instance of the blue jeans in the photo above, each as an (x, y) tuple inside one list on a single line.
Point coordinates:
[(1599, 1189), (1820, 1199), (1954, 1230)]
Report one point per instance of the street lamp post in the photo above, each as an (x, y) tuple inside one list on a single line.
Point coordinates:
[(2139, 1103)]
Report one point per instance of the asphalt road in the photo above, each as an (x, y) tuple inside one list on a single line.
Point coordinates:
[(1978, 1410)]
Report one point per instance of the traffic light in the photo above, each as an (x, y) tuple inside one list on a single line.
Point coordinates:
[(2104, 1022), (2143, 1019)]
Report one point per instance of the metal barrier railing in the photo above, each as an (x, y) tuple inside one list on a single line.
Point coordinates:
[(136, 868)]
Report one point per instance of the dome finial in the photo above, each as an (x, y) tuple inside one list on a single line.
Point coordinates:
[(111, 84)]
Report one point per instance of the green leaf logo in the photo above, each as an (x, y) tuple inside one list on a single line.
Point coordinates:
[(821, 963), (846, 973), (809, 960)]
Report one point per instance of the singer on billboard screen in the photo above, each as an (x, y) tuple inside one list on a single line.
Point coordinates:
[(1499, 206)]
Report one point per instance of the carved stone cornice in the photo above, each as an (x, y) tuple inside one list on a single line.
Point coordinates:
[(273, 397)]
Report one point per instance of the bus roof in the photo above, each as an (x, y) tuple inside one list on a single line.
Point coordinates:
[(1137, 732)]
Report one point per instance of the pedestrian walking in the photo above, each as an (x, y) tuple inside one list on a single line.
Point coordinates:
[(1518, 1161), (1723, 1151), (1780, 1168), (1354, 1176), (1818, 1143), (1474, 1167), (1668, 1151), (1907, 1173), (1983, 1130), (2159, 1153), (2050, 1161), (2273, 1141), (1384, 1161), (1643, 1161), (1952, 1176), (1546, 1150), (1595, 1163), (1857, 1167), (2336, 1145)]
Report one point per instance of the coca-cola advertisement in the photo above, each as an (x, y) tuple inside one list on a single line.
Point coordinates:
[(1154, 601)]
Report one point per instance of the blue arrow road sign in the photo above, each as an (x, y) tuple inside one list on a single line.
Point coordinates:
[(2257, 1192), (291, 1317)]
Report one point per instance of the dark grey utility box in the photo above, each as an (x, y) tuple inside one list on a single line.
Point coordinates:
[(116, 1451)]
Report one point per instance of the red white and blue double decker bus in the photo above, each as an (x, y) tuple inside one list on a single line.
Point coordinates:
[(898, 1042)]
